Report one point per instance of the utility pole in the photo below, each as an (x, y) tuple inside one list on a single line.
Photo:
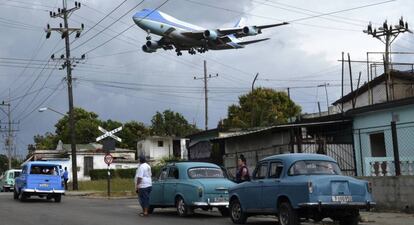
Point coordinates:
[(9, 130), (387, 34), (205, 78), (326, 95), (254, 81), (65, 32)]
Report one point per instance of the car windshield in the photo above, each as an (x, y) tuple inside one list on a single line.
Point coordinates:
[(44, 169), (314, 167), (205, 172), (16, 173)]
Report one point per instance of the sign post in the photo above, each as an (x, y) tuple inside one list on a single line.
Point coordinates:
[(109, 146)]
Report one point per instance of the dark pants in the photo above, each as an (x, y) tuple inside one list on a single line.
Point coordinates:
[(144, 196), (66, 184)]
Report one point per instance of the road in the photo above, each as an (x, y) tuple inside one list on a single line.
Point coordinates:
[(84, 211)]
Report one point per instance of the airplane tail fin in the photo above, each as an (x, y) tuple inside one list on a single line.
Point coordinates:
[(241, 22)]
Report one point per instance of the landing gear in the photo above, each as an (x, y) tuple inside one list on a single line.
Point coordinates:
[(178, 51), (191, 51), (148, 35), (202, 50)]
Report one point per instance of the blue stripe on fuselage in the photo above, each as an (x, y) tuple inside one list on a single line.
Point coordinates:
[(154, 15)]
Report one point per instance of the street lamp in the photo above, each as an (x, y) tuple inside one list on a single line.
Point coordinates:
[(48, 108)]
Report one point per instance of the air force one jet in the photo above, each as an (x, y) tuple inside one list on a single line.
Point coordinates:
[(187, 37)]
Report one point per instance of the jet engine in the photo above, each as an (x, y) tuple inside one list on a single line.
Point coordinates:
[(148, 50), (152, 45), (210, 34), (250, 31)]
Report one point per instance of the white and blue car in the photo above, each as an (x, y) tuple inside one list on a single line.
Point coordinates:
[(295, 186)]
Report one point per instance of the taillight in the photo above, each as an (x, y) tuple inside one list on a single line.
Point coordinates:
[(310, 187), (369, 187)]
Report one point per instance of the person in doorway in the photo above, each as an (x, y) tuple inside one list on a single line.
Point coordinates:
[(143, 184), (242, 174), (66, 178)]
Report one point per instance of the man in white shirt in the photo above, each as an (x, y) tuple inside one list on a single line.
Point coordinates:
[(143, 184)]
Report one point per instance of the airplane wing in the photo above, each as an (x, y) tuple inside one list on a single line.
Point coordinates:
[(252, 42)]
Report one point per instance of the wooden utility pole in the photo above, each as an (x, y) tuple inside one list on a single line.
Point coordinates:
[(387, 34), (65, 32), (205, 79), (9, 130)]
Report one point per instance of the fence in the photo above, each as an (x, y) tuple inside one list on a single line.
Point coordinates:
[(385, 150)]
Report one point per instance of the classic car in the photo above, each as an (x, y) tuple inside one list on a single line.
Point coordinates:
[(41, 179), (191, 185), (7, 180), (295, 186)]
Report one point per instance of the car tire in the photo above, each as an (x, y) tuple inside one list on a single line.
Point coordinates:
[(236, 212), (352, 219), (7, 189), (224, 211), (15, 194), (182, 209), (58, 198), (151, 209), (23, 196), (287, 215)]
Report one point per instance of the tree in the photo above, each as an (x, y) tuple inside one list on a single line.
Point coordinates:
[(262, 107), (169, 123), (46, 141)]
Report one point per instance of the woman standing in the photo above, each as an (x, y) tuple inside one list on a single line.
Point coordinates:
[(242, 174)]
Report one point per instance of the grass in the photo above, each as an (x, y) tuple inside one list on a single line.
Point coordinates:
[(119, 187)]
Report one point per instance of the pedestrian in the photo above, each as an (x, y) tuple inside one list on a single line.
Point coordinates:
[(143, 184), (242, 174), (66, 178)]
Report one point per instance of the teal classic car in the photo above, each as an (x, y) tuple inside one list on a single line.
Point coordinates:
[(7, 180), (42, 179), (296, 186), (191, 185)]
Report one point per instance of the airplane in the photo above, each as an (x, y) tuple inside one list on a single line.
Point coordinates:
[(184, 36)]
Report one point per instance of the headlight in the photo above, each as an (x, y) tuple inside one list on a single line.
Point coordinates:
[(200, 192)]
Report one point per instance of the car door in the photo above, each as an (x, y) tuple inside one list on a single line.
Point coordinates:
[(254, 188), (272, 186), (157, 193), (170, 185)]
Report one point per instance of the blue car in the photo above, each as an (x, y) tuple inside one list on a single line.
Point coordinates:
[(41, 179), (191, 185), (295, 186)]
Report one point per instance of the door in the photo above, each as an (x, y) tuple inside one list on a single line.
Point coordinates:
[(271, 187), (170, 186), (157, 193), (253, 192)]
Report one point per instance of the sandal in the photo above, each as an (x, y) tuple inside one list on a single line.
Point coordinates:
[(143, 215)]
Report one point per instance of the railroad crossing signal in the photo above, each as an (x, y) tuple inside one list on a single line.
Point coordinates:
[(109, 134)]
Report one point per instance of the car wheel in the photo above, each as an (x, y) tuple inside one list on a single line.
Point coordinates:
[(7, 189), (287, 215), (23, 196), (151, 209), (352, 219), (182, 208), (58, 198), (15, 194), (236, 212)]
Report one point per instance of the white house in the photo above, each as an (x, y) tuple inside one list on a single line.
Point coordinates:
[(88, 157), (158, 147)]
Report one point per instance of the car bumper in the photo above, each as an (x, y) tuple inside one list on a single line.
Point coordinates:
[(323, 205), (212, 204), (43, 191)]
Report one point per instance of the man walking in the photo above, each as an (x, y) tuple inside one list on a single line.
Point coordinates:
[(143, 184), (66, 178)]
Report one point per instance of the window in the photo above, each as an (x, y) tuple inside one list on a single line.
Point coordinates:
[(377, 145), (160, 144), (275, 169), (24, 169), (173, 173), (314, 167), (163, 173), (88, 165), (44, 170), (205, 172), (260, 172)]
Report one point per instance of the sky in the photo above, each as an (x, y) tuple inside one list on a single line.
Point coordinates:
[(120, 82)]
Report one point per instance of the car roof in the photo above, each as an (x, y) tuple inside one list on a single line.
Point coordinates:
[(187, 165), (293, 157), (45, 163)]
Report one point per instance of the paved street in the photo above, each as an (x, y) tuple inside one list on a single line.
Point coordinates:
[(83, 211)]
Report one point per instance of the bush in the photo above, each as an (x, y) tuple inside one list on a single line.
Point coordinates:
[(125, 173)]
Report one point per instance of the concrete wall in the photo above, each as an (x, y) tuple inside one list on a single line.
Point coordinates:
[(393, 193)]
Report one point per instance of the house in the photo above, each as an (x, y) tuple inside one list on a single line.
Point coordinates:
[(88, 157), (330, 135), (377, 143), (381, 89), (159, 147)]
